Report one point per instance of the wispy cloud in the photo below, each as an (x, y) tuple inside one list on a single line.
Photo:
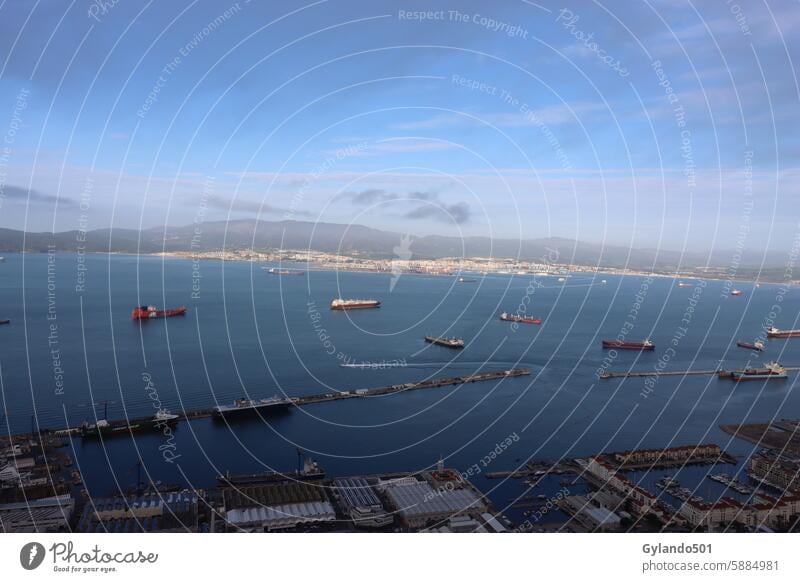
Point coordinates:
[(428, 205), (18, 194)]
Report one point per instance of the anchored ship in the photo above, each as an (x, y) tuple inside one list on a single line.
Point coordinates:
[(757, 345), (645, 346), (111, 428), (782, 333), (519, 318), (150, 312), (245, 405), (448, 342), (770, 371), (345, 304), (275, 271)]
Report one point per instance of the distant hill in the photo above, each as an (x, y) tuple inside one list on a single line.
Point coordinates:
[(349, 239)]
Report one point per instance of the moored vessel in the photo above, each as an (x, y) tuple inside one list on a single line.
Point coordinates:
[(519, 318), (245, 405), (646, 345), (345, 304), (758, 346), (447, 342), (770, 371), (108, 428), (782, 333), (151, 312)]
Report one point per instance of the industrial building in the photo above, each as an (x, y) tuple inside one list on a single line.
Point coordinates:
[(359, 502), (51, 514), (276, 506), (419, 505), (172, 511)]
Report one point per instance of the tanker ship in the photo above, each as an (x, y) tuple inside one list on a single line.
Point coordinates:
[(150, 312), (782, 333), (447, 342), (644, 346), (519, 318), (345, 304)]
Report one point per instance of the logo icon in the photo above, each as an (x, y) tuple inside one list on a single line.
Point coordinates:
[(402, 254), (31, 555)]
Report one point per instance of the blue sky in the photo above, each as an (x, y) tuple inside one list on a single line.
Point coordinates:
[(656, 124)]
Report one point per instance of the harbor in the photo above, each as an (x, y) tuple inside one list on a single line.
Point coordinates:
[(109, 427)]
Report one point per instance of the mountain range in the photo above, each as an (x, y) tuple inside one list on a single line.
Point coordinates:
[(364, 241)]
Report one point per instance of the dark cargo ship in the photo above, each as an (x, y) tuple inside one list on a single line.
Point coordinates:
[(447, 342), (643, 346)]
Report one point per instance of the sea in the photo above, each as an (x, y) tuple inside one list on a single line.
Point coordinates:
[(72, 353)]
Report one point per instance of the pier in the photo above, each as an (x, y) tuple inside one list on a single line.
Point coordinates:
[(644, 373), (331, 397)]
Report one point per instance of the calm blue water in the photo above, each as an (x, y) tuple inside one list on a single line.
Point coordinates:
[(252, 334)]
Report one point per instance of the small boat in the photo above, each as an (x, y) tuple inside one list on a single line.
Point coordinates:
[(466, 280), (736, 292), (275, 271), (150, 312), (5, 321), (603, 282), (645, 346), (346, 304), (684, 284), (519, 318), (757, 346), (562, 279), (447, 342), (782, 333)]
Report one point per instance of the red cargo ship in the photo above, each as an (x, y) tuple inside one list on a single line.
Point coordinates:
[(519, 318), (150, 312), (645, 346)]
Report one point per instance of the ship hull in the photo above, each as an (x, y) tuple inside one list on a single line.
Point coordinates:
[(250, 410), (784, 334), (528, 320), (123, 428), (142, 314), (750, 346), (445, 344), (355, 306), (615, 345)]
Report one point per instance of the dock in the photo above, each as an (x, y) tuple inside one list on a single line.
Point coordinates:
[(335, 396), (644, 373)]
